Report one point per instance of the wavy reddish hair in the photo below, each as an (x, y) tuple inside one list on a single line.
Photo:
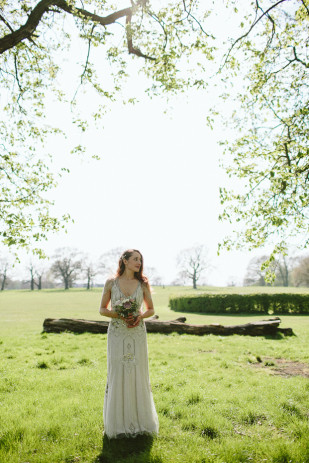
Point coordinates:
[(121, 267)]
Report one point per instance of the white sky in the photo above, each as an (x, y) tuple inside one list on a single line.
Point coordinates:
[(156, 187)]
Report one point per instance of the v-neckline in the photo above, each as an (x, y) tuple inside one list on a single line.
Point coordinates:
[(117, 280)]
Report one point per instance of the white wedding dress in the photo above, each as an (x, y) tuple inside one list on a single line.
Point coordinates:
[(129, 408)]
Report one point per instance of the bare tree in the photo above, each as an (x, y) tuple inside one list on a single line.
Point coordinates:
[(180, 280), (49, 279), (4, 266), (300, 273), (66, 266), (281, 267), (108, 262), (153, 276), (37, 268), (193, 262), (232, 281), (254, 275), (39, 275), (31, 270), (90, 271)]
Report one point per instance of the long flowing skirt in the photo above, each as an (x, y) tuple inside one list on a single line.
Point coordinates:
[(129, 408)]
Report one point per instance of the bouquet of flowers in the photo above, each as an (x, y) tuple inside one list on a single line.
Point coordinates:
[(126, 307)]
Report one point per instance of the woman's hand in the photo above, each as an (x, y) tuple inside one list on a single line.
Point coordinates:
[(135, 322), (130, 319)]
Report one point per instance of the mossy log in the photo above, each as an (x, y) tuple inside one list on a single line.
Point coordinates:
[(153, 325)]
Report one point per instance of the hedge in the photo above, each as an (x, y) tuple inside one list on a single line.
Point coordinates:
[(242, 303)]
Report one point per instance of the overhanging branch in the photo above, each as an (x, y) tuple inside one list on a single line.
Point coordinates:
[(265, 13), (132, 50), (25, 32), (44, 6)]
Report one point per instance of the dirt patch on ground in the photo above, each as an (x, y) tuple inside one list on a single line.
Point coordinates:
[(283, 367)]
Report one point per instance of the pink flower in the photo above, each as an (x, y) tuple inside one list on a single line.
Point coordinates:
[(127, 304)]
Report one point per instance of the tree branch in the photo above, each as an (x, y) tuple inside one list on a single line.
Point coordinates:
[(305, 6), (189, 14), (26, 31), (86, 63), (265, 13), (6, 23), (132, 50), (103, 20), (298, 59)]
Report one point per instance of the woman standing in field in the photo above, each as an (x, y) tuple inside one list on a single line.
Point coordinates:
[(129, 408)]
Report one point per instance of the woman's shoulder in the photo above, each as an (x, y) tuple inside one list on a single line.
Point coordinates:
[(145, 285), (109, 282)]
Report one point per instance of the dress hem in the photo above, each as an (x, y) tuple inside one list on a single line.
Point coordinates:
[(131, 435)]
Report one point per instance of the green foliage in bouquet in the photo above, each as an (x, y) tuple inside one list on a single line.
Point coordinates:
[(125, 307)]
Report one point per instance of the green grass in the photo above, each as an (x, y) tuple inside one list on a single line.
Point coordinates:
[(214, 403)]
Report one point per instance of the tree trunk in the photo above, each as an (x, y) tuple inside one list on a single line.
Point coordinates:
[(39, 283), (286, 279), (3, 282), (194, 280), (258, 328)]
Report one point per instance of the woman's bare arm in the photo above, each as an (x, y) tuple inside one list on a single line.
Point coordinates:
[(149, 312), (149, 306), (106, 297)]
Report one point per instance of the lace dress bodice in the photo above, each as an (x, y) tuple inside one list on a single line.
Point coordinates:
[(117, 324)]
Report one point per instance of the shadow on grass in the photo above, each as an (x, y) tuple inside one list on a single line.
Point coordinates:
[(133, 450)]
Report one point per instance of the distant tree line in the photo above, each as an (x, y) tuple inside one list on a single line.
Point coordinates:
[(288, 271), (69, 268)]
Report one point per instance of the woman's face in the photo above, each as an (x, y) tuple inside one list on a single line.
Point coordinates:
[(134, 262)]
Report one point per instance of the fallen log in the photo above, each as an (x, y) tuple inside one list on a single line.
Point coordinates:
[(257, 328)]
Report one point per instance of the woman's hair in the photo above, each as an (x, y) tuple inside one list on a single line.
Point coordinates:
[(121, 267)]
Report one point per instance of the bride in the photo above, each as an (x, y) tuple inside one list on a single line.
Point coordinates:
[(129, 408)]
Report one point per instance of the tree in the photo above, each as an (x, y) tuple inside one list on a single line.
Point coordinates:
[(176, 44), (255, 276), (31, 270), (301, 272), (270, 154), (34, 40), (232, 281), (280, 267), (4, 267), (181, 279), (90, 271), (66, 266), (192, 262), (153, 276), (39, 275), (36, 269), (109, 261), (283, 267)]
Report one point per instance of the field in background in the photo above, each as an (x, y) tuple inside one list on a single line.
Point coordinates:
[(220, 399), (27, 309)]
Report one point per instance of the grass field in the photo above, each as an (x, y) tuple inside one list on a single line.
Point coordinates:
[(219, 399)]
